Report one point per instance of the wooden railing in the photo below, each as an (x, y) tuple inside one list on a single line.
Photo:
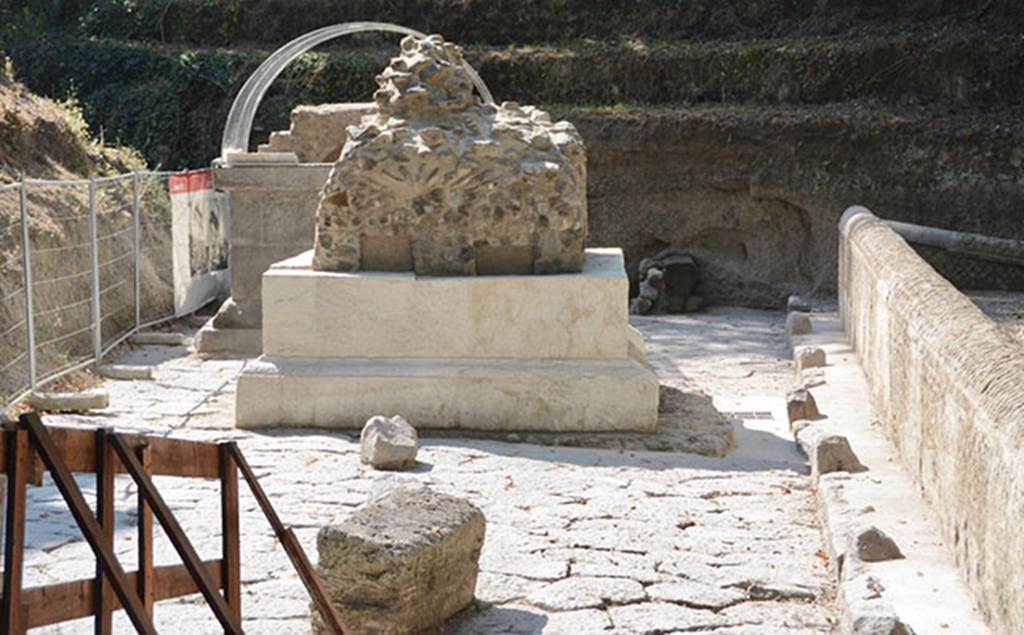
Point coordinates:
[(28, 448)]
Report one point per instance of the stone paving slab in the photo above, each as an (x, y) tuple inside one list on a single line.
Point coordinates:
[(579, 539)]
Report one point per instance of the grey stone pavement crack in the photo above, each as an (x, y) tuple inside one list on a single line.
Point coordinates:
[(579, 539)]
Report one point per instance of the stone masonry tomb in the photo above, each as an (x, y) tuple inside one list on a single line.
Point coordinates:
[(449, 281), (437, 183)]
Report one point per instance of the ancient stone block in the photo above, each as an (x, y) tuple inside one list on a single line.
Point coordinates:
[(871, 544), (800, 404), (475, 188), (805, 357), (388, 443), (404, 563), (798, 323), (827, 452), (317, 133), (69, 401)]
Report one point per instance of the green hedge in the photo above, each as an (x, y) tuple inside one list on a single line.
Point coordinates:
[(268, 22), (170, 104)]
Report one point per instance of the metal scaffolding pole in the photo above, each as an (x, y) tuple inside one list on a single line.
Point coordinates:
[(26, 264), (97, 334)]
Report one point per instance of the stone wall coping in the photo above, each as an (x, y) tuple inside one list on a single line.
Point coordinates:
[(599, 262), (962, 334)]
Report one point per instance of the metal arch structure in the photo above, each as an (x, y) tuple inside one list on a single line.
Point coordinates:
[(238, 126)]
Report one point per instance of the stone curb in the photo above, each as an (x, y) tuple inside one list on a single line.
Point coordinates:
[(161, 338), (69, 401), (125, 372), (882, 574)]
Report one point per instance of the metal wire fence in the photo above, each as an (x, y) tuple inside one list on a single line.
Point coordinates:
[(86, 264)]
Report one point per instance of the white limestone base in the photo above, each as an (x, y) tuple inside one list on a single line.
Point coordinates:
[(472, 394), (532, 353)]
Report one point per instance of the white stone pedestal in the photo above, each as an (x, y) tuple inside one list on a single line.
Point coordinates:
[(521, 352)]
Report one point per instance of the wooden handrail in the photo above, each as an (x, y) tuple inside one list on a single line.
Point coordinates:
[(86, 522), (29, 448), (177, 537), (291, 546)]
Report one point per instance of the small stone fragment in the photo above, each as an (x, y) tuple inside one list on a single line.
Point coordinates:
[(876, 617), (69, 401), (161, 338), (388, 443), (827, 452), (798, 323), (805, 357), (871, 544), (402, 564), (796, 303), (800, 404), (124, 372)]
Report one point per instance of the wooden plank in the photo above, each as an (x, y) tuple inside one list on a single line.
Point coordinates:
[(171, 457), (55, 603), (86, 523), (145, 579), (18, 461), (230, 542), (177, 537), (314, 586), (292, 547), (103, 600)]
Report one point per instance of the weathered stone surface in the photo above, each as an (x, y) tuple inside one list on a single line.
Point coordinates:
[(948, 385), (662, 617), (161, 338), (827, 452), (812, 378), (805, 357), (800, 404), (438, 183), (695, 594), (525, 491), (124, 372), (317, 133), (69, 401), (388, 443), (402, 564), (876, 617), (871, 544), (499, 588), (798, 323), (583, 593)]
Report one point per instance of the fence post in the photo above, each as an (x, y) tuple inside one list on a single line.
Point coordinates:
[(137, 246), (26, 264), (97, 335)]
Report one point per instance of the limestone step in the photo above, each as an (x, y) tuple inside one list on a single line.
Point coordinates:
[(472, 394), (161, 338), (69, 401), (124, 372)]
